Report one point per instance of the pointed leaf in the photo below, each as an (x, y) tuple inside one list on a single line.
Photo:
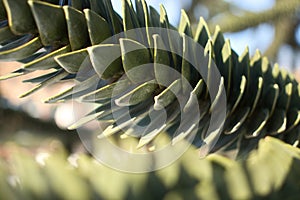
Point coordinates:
[(154, 17), (45, 83), (135, 56), (254, 127), (77, 28), (106, 60), (13, 74), (161, 61), (85, 120), (271, 98), (184, 25), (167, 96), (113, 129), (130, 19), (72, 61), (108, 91), (237, 120), (22, 51), (218, 98), (142, 12), (240, 94), (257, 95), (277, 123), (40, 78), (113, 18), (156, 126), (98, 7), (20, 18), (47, 61), (98, 27), (226, 70), (285, 97), (218, 41), (244, 63), (144, 19), (189, 74), (82, 88), (293, 118), (202, 33), (138, 94), (54, 33)]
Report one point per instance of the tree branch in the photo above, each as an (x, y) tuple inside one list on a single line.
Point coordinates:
[(236, 23)]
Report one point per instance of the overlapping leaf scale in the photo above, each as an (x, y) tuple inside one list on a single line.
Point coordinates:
[(67, 37)]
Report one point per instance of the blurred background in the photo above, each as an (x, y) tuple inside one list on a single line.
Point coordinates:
[(272, 26)]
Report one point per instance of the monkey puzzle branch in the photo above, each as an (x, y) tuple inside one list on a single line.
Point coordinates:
[(238, 23)]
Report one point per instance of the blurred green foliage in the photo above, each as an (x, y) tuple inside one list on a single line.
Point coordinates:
[(271, 171)]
